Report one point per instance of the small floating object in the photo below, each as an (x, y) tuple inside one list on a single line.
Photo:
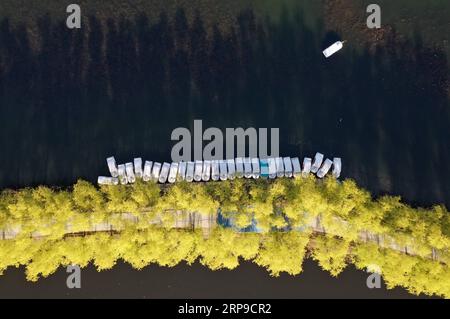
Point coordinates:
[(173, 172), (332, 49), (337, 167), (318, 159), (325, 168), (112, 166), (147, 175), (287, 166), (297, 171), (231, 169)]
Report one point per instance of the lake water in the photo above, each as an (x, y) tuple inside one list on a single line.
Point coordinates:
[(122, 88)]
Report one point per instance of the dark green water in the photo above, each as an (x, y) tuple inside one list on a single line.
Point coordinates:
[(121, 90)]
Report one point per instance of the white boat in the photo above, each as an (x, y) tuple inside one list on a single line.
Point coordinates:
[(103, 180), (147, 174), (181, 171), (231, 169), (280, 166), (296, 169), (247, 167), (130, 172), (318, 159), (255, 167), (306, 166), (138, 167), (272, 168), (198, 171), (112, 166), (223, 170), (173, 173), (164, 173), (325, 168), (287, 167), (215, 173), (332, 49), (190, 171), (337, 167), (239, 167), (206, 174), (122, 174), (155, 171)]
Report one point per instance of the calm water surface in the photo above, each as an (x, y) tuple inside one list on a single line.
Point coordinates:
[(121, 89)]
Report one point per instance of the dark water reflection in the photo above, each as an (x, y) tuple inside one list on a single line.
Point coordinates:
[(197, 282), (67, 106)]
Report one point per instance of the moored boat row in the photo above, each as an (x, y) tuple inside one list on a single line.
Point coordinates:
[(216, 170)]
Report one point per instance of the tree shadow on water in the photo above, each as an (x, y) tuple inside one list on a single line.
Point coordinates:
[(119, 87)]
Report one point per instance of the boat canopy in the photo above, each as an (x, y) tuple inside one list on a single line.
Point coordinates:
[(138, 167), (247, 167), (112, 166), (155, 171), (272, 168), (182, 171), (318, 159), (325, 168), (215, 174), (190, 171), (103, 180), (147, 174), (130, 172), (264, 168), (280, 166), (255, 167), (122, 174), (223, 170), (231, 169), (337, 167), (296, 169), (239, 167), (206, 170), (164, 173), (173, 172), (306, 166), (198, 171), (287, 166)]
